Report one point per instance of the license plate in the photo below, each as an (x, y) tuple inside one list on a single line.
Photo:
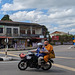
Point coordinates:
[(28, 57)]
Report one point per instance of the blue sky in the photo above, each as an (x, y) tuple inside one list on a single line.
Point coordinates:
[(54, 15)]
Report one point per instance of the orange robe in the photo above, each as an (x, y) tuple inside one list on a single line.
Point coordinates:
[(49, 48)]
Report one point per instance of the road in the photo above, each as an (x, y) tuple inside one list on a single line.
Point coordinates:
[(64, 63)]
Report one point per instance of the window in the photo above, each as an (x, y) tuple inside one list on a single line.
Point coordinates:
[(1, 30), (43, 32), (22, 31), (33, 31), (8, 30), (28, 31), (15, 30)]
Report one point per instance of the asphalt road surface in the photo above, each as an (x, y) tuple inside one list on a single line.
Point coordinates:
[(64, 63)]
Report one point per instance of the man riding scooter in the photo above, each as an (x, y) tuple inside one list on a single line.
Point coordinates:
[(41, 52), (38, 61)]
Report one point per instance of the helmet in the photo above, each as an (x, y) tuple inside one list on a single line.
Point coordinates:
[(39, 44)]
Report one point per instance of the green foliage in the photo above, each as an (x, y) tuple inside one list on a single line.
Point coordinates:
[(64, 38), (6, 18), (46, 32)]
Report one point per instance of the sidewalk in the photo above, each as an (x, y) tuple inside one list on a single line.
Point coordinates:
[(13, 49)]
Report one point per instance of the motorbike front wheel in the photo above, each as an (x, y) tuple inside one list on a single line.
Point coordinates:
[(22, 65), (47, 66)]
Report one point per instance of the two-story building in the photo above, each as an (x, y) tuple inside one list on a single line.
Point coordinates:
[(20, 33)]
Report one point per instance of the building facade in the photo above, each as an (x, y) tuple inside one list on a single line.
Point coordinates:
[(20, 33), (58, 33)]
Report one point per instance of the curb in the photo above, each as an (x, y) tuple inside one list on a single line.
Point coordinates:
[(9, 59), (6, 58), (21, 49)]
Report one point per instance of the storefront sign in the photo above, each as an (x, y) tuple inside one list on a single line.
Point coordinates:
[(41, 36), (1, 26), (55, 37), (6, 40)]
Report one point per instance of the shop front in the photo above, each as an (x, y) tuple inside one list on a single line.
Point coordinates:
[(35, 40), (3, 43)]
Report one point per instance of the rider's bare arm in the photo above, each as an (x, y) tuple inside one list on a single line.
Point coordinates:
[(33, 51)]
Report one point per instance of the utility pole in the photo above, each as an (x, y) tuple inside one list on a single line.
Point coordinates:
[(6, 40)]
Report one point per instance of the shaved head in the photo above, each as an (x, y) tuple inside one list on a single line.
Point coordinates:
[(46, 42)]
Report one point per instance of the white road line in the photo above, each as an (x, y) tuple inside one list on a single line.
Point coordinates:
[(9, 62), (64, 67), (56, 65), (65, 57)]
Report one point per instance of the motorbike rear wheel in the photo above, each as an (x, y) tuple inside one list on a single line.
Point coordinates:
[(22, 65), (47, 66)]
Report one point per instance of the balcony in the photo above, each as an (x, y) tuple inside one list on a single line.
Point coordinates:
[(14, 35), (30, 35)]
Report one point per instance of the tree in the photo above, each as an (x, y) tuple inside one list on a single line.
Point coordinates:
[(64, 38), (46, 32), (6, 18)]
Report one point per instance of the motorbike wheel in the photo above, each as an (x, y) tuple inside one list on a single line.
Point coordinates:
[(47, 66), (22, 65)]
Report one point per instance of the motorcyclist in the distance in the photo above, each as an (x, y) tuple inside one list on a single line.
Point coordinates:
[(41, 52)]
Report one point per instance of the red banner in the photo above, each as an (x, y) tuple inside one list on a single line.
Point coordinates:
[(55, 37)]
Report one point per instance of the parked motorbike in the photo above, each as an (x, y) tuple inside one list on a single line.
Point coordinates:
[(31, 60)]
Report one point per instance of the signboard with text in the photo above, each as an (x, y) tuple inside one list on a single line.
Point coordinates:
[(1, 26), (55, 37)]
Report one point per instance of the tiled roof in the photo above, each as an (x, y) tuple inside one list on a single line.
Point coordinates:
[(13, 23), (58, 32)]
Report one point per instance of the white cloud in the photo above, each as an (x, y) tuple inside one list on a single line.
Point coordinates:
[(39, 17), (0, 1), (4, 13), (60, 16), (39, 4), (24, 15), (72, 30)]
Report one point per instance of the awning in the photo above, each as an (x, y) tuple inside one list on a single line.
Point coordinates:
[(4, 37), (39, 38)]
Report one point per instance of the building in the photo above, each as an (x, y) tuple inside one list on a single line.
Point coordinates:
[(20, 33), (58, 33)]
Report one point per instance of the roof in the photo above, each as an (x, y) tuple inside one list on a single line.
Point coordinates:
[(58, 32), (13, 23)]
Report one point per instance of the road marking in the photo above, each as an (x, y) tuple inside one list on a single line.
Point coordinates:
[(57, 65), (65, 57), (64, 67), (26, 51), (13, 55), (10, 54), (9, 62)]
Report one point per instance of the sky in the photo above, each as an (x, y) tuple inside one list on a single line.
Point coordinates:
[(56, 15)]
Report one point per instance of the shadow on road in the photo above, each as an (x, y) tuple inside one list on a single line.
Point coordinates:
[(48, 71)]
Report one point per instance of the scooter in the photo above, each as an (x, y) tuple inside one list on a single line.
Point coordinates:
[(31, 60)]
